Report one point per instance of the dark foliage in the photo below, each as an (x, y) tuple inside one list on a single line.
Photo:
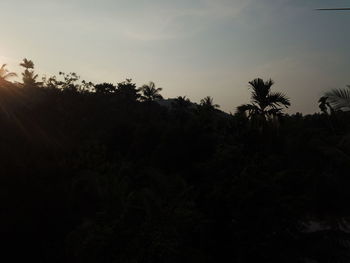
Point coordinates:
[(96, 174)]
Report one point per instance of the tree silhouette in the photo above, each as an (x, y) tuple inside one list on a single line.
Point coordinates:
[(27, 64), (5, 75), (89, 174), (182, 102), (28, 76), (264, 102), (338, 99), (324, 105), (208, 103), (69, 82), (150, 92), (105, 88), (127, 91)]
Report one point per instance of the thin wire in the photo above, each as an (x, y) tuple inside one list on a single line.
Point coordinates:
[(333, 9)]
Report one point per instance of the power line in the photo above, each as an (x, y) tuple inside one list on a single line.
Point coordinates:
[(333, 9)]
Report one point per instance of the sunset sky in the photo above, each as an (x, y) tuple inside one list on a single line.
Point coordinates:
[(189, 47)]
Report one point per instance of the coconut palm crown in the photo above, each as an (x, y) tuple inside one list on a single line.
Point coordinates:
[(264, 102), (150, 92), (208, 103)]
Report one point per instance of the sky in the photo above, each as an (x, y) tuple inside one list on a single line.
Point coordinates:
[(192, 48)]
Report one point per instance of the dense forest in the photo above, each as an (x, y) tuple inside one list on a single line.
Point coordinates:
[(115, 173)]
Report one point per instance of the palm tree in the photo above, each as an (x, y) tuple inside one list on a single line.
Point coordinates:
[(28, 64), (264, 102), (337, 99), (208, 103), (5, 74), (150, 92), (28, 76)]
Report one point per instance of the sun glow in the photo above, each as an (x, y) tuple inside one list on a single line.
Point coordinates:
[(12, 64), (5, 56)]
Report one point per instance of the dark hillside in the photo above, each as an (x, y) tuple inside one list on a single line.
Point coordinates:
[(113, 177)]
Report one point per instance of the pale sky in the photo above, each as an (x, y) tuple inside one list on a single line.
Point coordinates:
[(195, 48)]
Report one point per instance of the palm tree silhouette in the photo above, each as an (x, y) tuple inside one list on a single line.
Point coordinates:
[(264, 102), (338, 99), (150, 92), (28, 76), (208, 103), (5, 75), (28, 64)]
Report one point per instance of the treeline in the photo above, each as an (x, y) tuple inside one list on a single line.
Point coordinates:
[(109, 173)]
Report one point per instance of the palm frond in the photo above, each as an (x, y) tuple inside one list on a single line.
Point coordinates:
[(323, 104), (259, 87), (278, 99), (10, 75), (5, 74), (274, 111), (251, 109), (150, 92), (339, 98), (28, 64), (261, 90), (151, 85)]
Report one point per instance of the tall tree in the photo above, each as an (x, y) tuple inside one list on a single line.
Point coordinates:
[(150, 92), (29, 78), (264, 102), (128, 91)]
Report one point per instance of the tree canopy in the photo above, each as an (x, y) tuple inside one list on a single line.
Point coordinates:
[(108, 173), (264, 102)]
